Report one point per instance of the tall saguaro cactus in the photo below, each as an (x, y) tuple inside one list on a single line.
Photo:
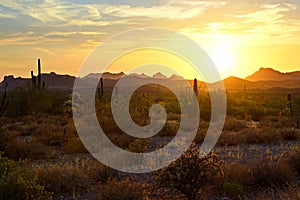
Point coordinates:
[(4, 102), (33, 80), (101, 86), (196, 87), (39, 74), (37, 80)]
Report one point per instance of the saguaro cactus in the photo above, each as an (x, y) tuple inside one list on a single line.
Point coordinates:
[(101, 86), (196, 87), (33, 80), (39, 74), (37, 80), (4, 102)]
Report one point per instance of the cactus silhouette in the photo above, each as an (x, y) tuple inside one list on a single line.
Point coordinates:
[(37, 80), (101, 86), (33, 80), (196, 87), (39, 77)]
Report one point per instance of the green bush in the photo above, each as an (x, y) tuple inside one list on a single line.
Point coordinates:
[(18, 182), (27, 101), (233, 189)]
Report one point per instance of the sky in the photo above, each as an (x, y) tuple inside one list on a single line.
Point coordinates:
[(239, 36)]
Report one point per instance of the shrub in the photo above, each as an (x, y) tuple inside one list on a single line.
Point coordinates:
[(139, 145), (237, 173), (266, 174), (74, 146), (18, 182), (121, 190), (27, 150), (98, 172), (189, 173), (61, 179), (294, 162), (233, 189), (232, 124), (289, 134), (288, 192)]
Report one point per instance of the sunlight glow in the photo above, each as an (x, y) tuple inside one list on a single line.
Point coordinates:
[(223, 58)]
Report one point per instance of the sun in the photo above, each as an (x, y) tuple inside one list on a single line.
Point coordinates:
[(223, 58)]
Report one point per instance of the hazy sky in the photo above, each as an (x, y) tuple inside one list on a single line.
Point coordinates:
[(240, 35)]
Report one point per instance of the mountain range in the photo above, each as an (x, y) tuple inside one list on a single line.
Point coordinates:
[(268, 74), (265, 78)]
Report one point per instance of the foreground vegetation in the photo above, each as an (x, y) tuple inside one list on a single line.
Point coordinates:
[(37, 128)]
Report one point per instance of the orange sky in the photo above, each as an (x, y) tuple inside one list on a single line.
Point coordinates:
[(240, 36)]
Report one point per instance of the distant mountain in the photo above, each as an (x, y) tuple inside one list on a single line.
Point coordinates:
[(176, 77), (142, 75), (267, 74), (105, 75), (52, 81), (159, 75), (234, 83), (265, 78)]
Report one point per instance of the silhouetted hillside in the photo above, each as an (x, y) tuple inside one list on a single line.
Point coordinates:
[(55, 81), (266, 74)]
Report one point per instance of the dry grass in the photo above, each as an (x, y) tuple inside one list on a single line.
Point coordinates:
[(121, 190), (73, 176)]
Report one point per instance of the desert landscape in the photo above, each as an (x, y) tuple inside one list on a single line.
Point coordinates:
[(256, 157), (149, 100)]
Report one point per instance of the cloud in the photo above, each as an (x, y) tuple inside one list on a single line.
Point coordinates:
[(54, 12), (5, 15), (45, 51), (271, 21), (174, 10), (28, 38)]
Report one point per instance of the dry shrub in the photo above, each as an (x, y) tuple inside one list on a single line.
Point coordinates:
[(173, 116), (294, 161), (7, 138), (98, 172), (289, 134), (51, 138), (170, 129), (63, 179), (267, 174), (229, 138), (289, 192), (232, 124), (120, 189), (199, 138), (121, 140), (74, 146), (259, 136), (237, 173), (27, 150), (139, 145)]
